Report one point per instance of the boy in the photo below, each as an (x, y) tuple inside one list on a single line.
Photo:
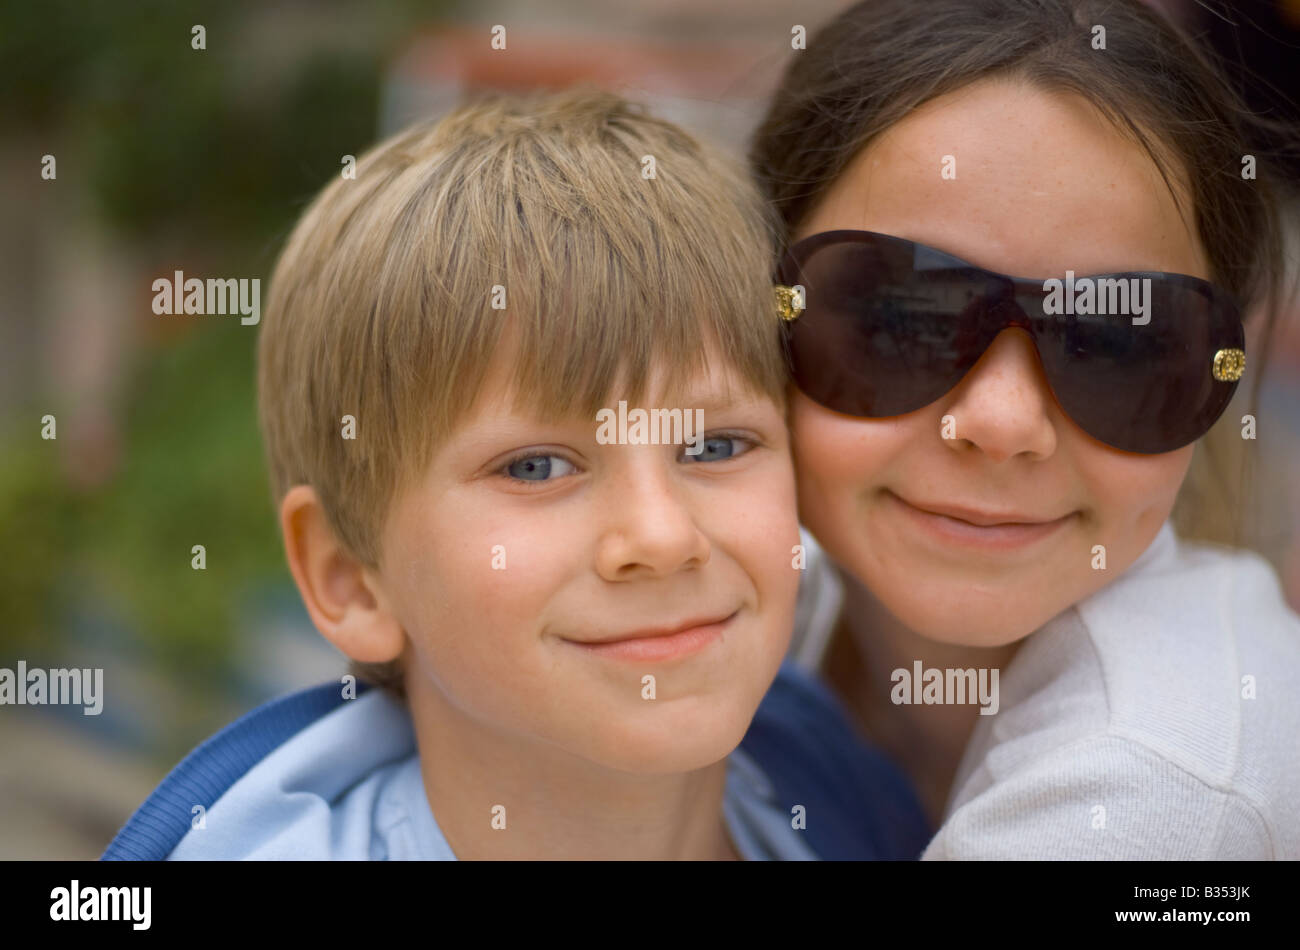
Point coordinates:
[(571, 632)]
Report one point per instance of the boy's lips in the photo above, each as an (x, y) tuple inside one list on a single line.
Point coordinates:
[(665, 631), (659, 643)]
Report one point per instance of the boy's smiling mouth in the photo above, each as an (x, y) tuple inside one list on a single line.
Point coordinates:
[(659, 643)]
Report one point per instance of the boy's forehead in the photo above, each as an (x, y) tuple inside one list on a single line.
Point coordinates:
[(714, 383), (714, 389)]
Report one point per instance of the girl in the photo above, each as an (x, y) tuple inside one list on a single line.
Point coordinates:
[(1021, 235)]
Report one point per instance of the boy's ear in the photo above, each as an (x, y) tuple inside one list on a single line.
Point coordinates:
[(342, 596)]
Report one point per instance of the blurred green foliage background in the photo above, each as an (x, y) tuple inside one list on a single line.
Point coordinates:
[(194, 157)]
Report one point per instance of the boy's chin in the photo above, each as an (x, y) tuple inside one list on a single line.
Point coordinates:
[(673, 741)]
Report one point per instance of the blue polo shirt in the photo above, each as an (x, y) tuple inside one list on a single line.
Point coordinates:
[(313, 776)]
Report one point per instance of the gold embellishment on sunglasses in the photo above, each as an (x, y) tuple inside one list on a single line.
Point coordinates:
[(1229, 365), (785, 303)]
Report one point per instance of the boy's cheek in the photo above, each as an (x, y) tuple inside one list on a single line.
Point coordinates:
[(761, 526), (478, 633), (767, 513)]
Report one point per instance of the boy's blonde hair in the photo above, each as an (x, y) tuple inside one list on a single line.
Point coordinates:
[(620, 245)]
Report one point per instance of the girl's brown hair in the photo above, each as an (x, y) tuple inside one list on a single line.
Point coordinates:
[(880, 59)]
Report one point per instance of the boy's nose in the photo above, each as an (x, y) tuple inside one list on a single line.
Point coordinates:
[(647, 527), (1005, 406)]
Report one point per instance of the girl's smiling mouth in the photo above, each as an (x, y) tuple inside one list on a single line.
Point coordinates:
[(987, 531)]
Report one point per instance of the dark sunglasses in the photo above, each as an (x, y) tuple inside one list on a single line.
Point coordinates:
[(879, 326)]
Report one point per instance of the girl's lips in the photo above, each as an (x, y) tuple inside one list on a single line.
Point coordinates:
[(1003, 536), (658, 648)]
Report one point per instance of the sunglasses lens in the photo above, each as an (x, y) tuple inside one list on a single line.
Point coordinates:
[(890, 326), (886, 329), (1149, 387)]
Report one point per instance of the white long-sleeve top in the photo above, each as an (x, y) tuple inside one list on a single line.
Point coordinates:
[(1158, 718)]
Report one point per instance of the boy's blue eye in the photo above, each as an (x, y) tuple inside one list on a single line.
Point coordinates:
[(718, 448), (538, 468)]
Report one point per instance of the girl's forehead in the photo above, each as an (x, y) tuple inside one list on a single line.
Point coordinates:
[(1019, 180)]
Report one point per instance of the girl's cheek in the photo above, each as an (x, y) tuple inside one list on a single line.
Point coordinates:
[(840, 461), (1131, 492)]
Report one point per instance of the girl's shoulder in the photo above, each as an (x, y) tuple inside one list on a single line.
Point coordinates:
[(1204, 619), (1159, 716)]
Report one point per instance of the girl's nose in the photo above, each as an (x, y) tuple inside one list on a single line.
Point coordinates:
[(1004, 406)]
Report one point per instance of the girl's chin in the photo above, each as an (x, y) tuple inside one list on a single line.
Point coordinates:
[(972, 624)]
